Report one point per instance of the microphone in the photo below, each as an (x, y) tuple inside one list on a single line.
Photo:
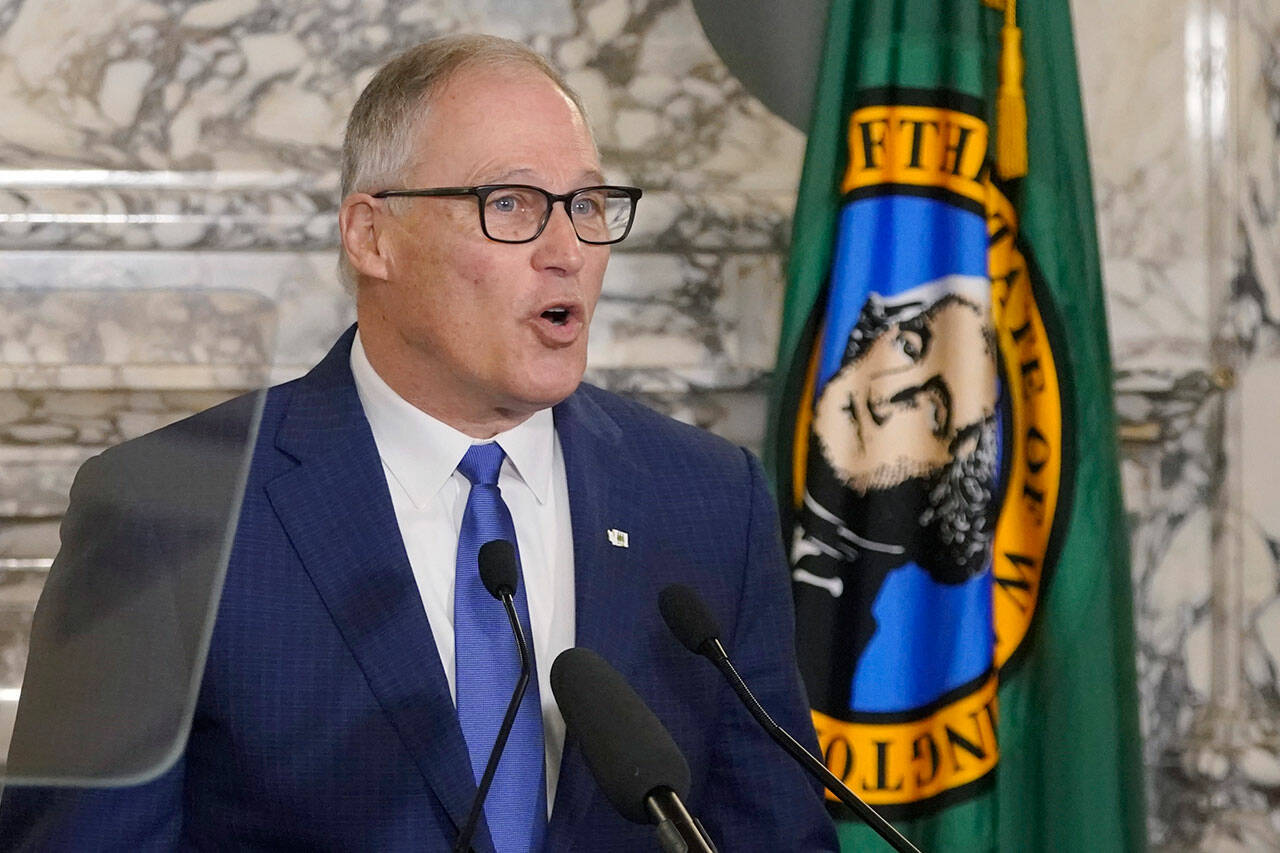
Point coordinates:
[(692, 623), (629, 752), (500, 575), (498, 570)]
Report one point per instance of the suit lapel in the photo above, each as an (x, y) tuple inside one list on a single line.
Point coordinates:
[(337, 511), (609, 590)]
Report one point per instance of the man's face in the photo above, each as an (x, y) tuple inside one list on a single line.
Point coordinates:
[(911, 401), (481, 331)]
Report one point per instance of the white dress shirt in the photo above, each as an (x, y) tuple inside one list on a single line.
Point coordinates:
[(420, 457)]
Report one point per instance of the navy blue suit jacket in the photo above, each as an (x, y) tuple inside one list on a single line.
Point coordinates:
[(323, 719)]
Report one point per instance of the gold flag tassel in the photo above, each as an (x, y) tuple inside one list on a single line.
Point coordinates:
[(1011, 100)]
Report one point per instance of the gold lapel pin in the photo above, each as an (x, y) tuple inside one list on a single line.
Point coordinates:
[(617, 538)]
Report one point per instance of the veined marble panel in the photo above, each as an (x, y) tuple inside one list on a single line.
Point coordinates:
[(263, 86), (134, 319), (1187, 189), (155, 326), (1251, 322), (235, 320), (1147, 85), (1257, 292), (707, 311)]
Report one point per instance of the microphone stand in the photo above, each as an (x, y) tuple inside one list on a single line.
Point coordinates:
[(716, 653), (463, 844), (678, 831)]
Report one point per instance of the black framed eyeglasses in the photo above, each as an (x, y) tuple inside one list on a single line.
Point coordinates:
[(517, 213)]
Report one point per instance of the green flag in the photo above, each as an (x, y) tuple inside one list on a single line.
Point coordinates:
[(942, 437)]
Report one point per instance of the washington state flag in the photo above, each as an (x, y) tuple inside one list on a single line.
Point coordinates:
[(943, 442)]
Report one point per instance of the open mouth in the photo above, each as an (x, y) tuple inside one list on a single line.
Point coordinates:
[(558, 316)]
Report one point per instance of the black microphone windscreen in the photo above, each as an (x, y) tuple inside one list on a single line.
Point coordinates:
[(627, 748), (687, 616), (498, 567)]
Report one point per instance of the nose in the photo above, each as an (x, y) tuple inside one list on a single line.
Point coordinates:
[(933, 393), (558, 248)]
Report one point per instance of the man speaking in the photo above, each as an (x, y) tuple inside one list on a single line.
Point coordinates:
[(356, 668)]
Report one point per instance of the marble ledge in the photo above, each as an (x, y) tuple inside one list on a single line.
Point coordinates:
[(188, 216)]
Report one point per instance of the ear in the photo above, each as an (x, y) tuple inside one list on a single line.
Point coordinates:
[(359, 223)]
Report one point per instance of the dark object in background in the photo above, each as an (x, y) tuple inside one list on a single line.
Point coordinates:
[(773, 48)]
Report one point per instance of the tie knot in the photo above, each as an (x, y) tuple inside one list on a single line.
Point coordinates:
[(481, 464)]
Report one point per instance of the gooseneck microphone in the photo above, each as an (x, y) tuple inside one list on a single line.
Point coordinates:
[(629, 752), (500, 575), (692, 623)]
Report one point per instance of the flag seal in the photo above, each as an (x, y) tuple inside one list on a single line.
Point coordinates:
[(931, 468)]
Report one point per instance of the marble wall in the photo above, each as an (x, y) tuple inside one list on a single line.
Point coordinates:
[(1183, 104), (167, 196), (171, 162)]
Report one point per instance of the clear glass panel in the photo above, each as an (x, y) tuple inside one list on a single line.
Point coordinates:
[(117, 645)]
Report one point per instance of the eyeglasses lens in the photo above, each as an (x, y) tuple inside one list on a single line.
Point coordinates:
[(517, 213)]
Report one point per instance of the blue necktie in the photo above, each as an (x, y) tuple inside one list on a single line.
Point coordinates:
[(487, 666)]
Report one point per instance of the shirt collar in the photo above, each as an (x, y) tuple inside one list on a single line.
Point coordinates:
[(421, 453)]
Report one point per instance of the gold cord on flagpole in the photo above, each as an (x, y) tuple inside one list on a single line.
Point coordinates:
[(1011, 100)]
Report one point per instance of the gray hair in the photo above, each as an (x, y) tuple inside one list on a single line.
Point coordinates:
[(377, 147)]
